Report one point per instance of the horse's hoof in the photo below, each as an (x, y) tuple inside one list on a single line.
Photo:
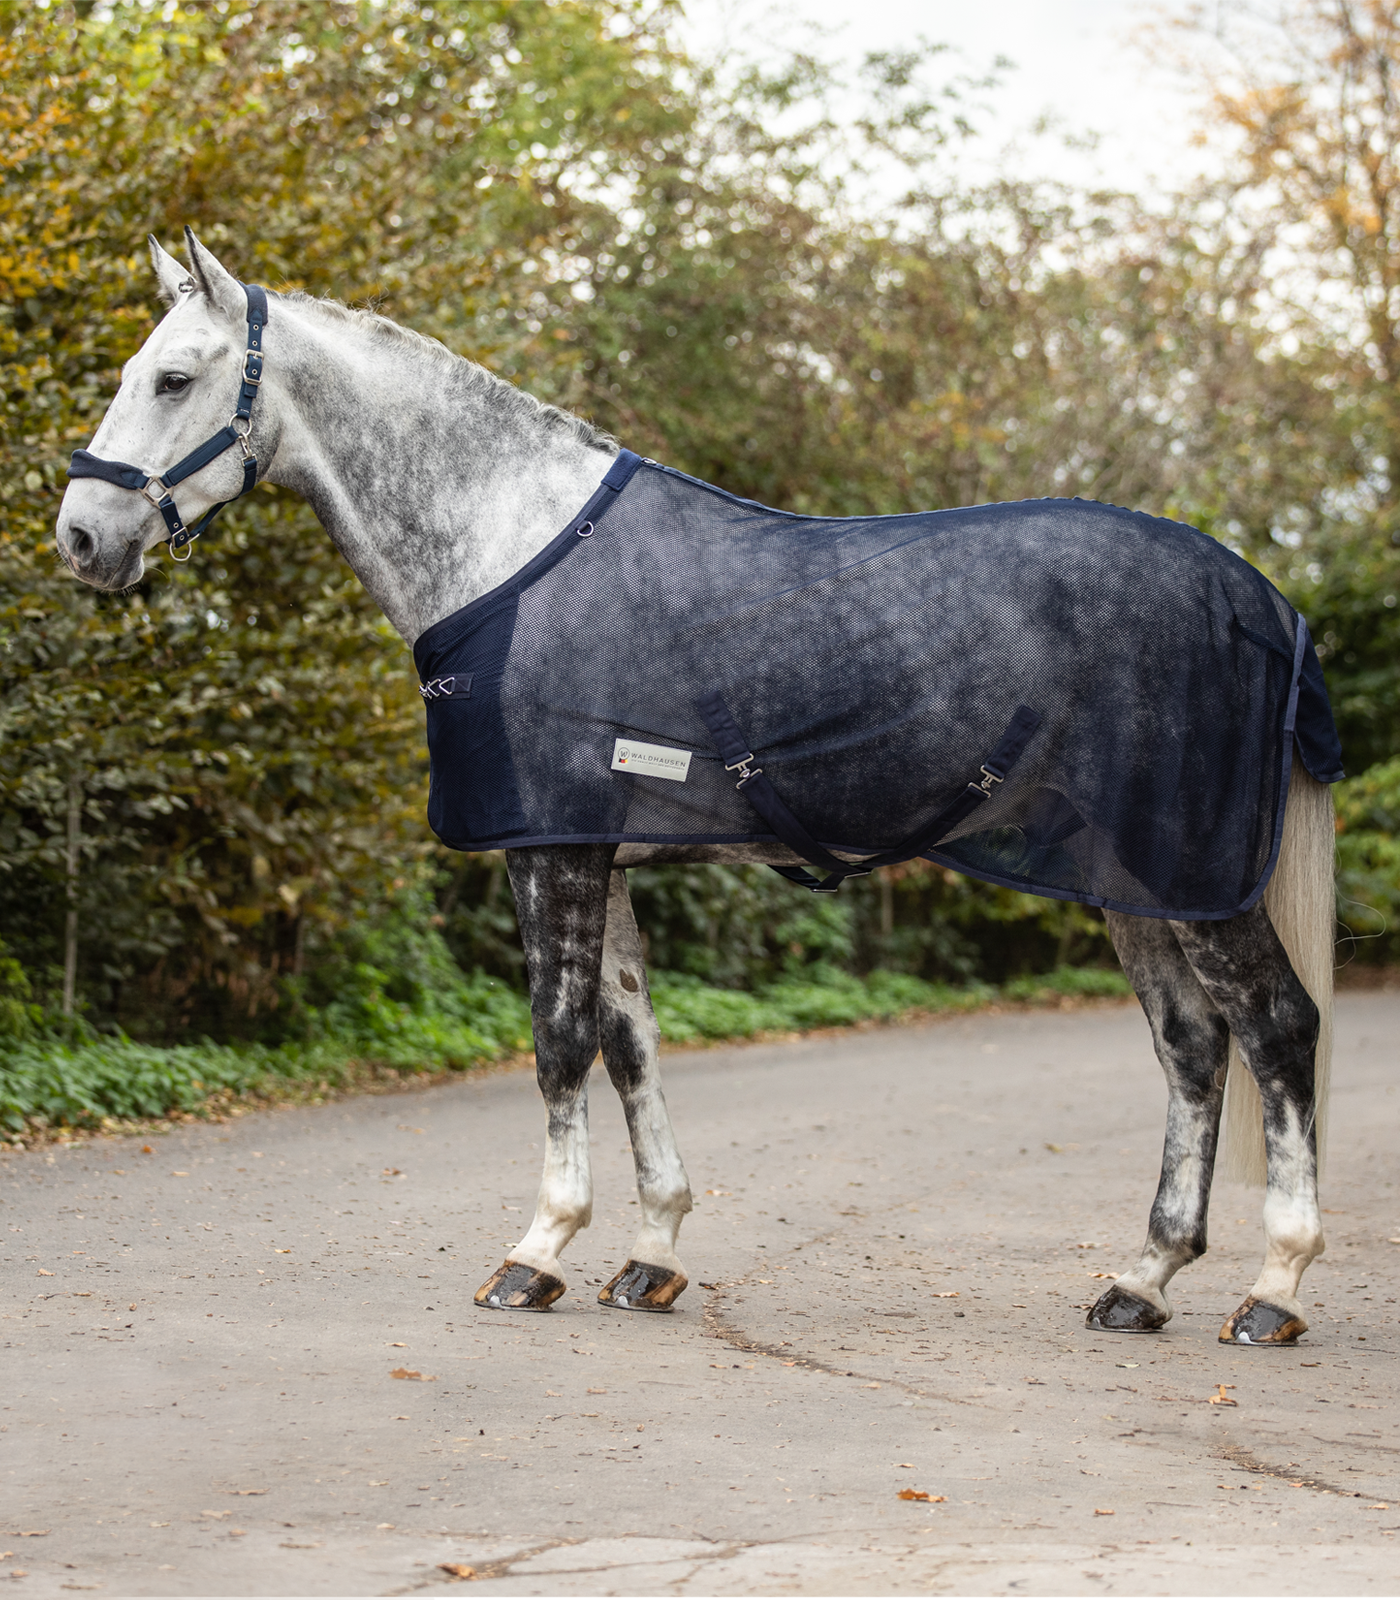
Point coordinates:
[(1121, 1311), (516, 1287), (1257, 1322), (639, 1287)]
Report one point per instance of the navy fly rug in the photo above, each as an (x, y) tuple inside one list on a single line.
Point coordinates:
[(1054, 695)]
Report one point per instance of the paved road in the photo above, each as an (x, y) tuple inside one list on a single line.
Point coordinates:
[(896, 1233)]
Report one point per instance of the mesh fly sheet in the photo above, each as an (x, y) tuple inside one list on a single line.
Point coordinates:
[(1152, 683)]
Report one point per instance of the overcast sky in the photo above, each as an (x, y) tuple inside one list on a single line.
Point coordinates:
[(1082, 61)]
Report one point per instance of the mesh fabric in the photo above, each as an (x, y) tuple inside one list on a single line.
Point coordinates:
[(872, 664)]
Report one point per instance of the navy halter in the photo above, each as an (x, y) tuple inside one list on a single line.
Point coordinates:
[(157, 487)]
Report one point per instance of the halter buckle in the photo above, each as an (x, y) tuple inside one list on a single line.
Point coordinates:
[(162, 494), (249, 377)]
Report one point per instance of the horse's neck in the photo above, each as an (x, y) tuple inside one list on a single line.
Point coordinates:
[(435, 481)]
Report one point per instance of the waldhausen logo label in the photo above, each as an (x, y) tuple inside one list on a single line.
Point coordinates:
[(650, 760)]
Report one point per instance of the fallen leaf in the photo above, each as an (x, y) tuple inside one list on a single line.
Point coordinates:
[(392, 1172), (597, 1391), (921, 1494), (396, 1344), (285, 1252), (1378, 1508), (132, 1306), (30, 1533), (553, 1394), (216, 1513), (1099, 1511), (146, 1150), (316, 1545), (179, 1174), (947, 1294), (456, 1569), (907, 1465), (160, 1524), (409, 1372), (870, 1386), (238, 1533), (45, 1273), (245, 1491), (1220, 1398), (1113, 1275)]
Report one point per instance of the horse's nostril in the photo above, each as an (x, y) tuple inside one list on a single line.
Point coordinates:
[(81, 545)]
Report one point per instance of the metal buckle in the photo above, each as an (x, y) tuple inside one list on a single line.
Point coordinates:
[(983, 790), (244, 434), (248, 377), (187, 547), (741, 766), (437, 688), (155, 499), (585, 531)]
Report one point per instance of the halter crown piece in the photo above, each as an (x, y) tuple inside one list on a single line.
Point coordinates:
[(157, 487)]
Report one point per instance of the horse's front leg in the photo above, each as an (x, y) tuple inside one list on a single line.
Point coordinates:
[(1193, 1045), (561, 899), (653, 1276), (1244, 968)]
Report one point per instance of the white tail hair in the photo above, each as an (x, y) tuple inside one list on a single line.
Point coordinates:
[(1301, 904)]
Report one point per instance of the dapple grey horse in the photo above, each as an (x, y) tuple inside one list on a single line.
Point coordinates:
[(437, 481)]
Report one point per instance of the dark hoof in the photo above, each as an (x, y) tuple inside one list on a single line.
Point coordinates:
[(639, 1287), (1257, 1322), (515, 1287), (1121, 1311)]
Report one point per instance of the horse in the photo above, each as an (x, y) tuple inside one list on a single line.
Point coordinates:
[(439, 483)]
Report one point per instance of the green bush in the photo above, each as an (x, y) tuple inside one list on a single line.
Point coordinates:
[(1368, 862)]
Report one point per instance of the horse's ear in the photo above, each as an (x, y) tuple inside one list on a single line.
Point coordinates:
[(172, 276), (213, 279)]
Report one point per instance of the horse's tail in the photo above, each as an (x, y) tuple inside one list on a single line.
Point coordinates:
[(1301, 903)]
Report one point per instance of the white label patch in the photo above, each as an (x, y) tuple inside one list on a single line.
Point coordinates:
[(652, 760)]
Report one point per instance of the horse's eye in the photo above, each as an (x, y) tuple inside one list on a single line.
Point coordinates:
[(173, 382)]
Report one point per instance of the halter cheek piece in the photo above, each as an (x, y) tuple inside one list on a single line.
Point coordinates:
[(157, 487)]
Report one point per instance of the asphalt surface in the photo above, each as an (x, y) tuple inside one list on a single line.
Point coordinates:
[(896, 1234)]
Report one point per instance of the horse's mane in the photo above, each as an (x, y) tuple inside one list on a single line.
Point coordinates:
[(471, 373)]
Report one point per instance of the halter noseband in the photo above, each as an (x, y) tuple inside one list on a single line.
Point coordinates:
[(157, 487)]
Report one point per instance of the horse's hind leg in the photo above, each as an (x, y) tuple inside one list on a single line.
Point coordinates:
[(1244, 968), (561, 897), (1192, 1041), (653, 1276)]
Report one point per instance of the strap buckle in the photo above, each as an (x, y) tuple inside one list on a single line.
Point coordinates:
[(439, 688), (162, 492), (741, 766), (983, 790), (255, 378)]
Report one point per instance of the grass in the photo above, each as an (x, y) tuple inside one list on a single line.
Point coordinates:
[(95, 1081)]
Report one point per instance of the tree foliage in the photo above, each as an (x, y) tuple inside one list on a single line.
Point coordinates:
[(684, 253)]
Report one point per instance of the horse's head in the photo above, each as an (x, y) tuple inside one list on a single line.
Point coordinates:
[(179, 390)]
